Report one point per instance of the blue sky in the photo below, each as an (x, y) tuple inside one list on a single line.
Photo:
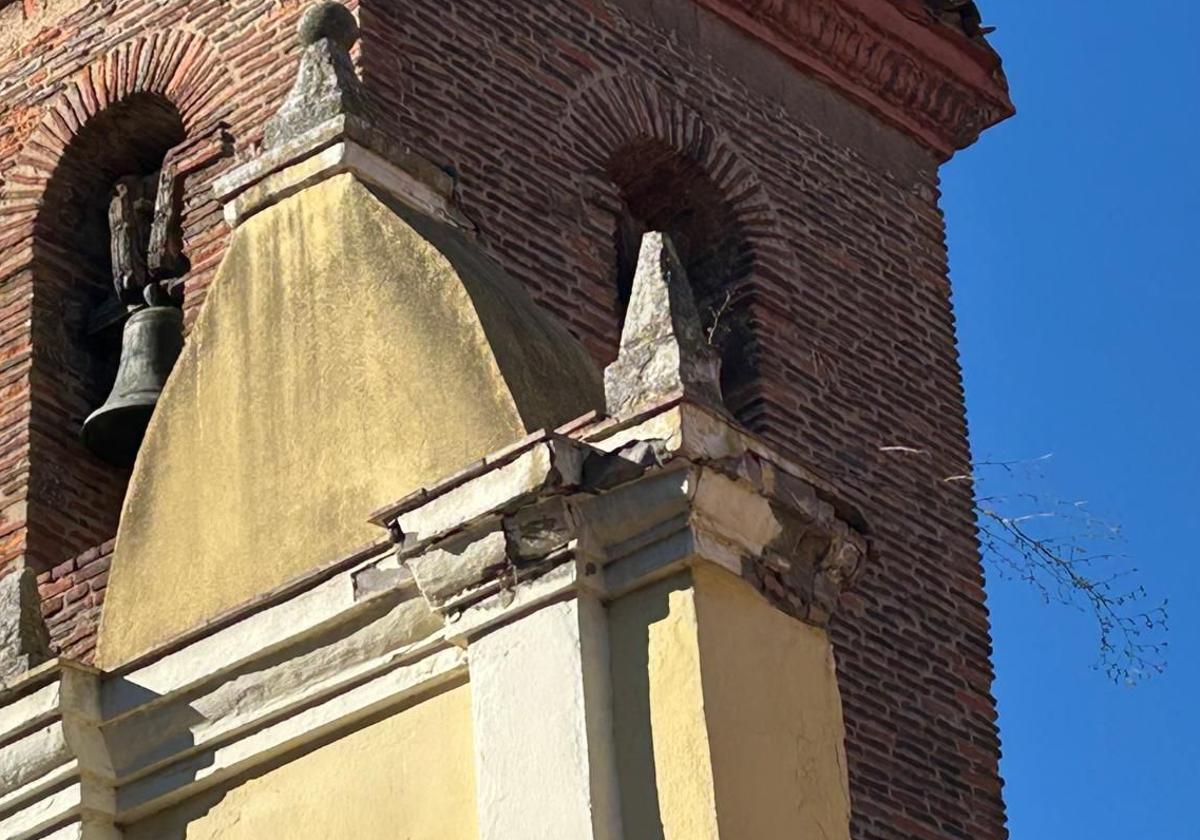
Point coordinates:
[(1073, 233)]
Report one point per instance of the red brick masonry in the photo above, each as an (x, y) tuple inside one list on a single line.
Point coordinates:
[(72, 595)]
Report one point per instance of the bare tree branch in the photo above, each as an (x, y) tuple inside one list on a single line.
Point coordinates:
[(1070, 558)]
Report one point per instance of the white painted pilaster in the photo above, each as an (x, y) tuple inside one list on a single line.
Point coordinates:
[(542, 708)]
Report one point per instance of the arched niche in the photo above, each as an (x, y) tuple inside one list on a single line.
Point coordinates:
[(660, 189), (650, 161), (75, 498)]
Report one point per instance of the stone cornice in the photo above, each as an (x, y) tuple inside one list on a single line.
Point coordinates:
[(927, 79), (612, 504)]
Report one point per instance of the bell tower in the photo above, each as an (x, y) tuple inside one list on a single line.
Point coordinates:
[(468, 420)]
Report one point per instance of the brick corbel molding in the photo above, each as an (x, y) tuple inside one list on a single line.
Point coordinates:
[(916, 73)]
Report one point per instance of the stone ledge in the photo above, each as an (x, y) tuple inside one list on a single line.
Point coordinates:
[(84, 750), (344, 143), (408, 181), (52, 762), (340, 711), (279, 596), (677, 469)]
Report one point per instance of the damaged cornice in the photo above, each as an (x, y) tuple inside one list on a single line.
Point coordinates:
[(899, 59)]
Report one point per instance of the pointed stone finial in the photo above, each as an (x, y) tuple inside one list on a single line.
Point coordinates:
[(664, 352), (326, 85), (325, 128)]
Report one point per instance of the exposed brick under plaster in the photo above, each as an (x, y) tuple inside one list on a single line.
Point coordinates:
[(72, 597), (848, 300)]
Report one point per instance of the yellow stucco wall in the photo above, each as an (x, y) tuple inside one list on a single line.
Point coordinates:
[(408, 776), (727, 716), (663, 767), (340, 362), (774, 717)]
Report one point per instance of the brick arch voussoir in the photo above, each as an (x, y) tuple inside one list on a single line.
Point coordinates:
[(181, 66), (613, 112)]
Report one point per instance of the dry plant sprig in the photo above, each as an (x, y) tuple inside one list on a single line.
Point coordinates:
[(1070, 558)]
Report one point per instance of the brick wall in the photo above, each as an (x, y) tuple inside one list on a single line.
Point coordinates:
[(72, 597), (849, 334)]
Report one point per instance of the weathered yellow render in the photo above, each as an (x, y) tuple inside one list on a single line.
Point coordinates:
[(341, 361), (727, 716), (410, 775)]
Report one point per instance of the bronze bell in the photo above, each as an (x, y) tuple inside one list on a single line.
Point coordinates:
[(150, 344)]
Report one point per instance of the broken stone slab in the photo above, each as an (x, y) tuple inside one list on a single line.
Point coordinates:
[(496, 552), (639, 506), (459, 564), (386, 575), (610, 520), (605, 470), (664, 351), (814, 551), (508, 604), (812, 561), (553, 464), (533, 533), (679, 429)]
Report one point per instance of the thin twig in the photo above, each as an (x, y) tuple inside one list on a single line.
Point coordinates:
[(1057, 549)]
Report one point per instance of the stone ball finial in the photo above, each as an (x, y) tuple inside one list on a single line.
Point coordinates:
[(329, 20)]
